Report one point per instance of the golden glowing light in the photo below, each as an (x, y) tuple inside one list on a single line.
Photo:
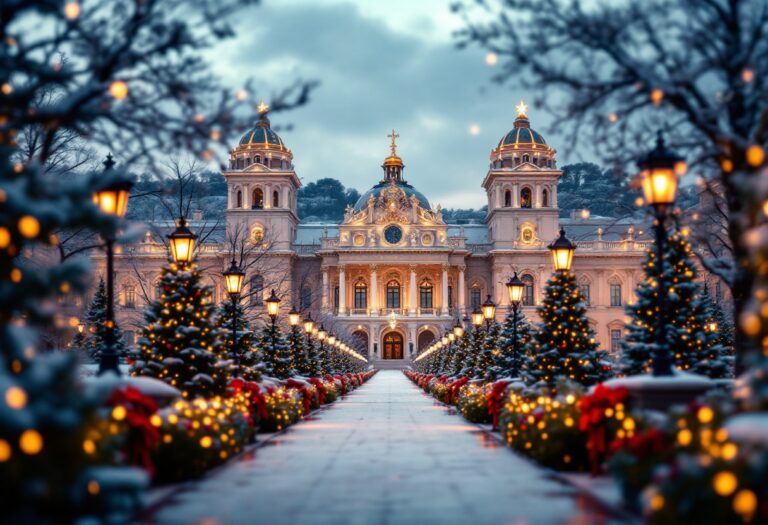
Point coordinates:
[(747, 75), (93, 487), (5, 451), (613, 117), (71, 10), (16, 398), (31, 442), (725, 483), (29, 227), (206, 442), (89, 447), (5, 238), (262, 107), (522, 109), (119, 413), (745, 504), (684, 437), (118, 89), (705, 415), (755, 155), (656, 96), (491, 59)]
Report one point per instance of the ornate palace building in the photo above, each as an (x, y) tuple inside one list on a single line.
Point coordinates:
[(394, 273)]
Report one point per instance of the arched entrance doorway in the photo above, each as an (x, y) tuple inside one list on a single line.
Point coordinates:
[(426, 338), (393, 346)]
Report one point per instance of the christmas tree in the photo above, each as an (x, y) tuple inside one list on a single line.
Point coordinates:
[(275, 353), (460, 351), (693, 347), (96, 319), (719, 360), (314, 358), (489, 353), (245, 362), (473, 352), (509, 362), (564, 345), (300, 359), (181, 343)]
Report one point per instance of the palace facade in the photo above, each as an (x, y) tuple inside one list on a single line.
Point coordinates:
[(393, 273)]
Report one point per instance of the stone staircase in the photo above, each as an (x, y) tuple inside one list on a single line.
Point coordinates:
[(391, 364)]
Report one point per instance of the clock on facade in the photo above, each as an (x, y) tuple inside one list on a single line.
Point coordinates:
[(393, 234)]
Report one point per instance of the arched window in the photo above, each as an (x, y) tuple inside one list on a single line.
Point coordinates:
[(258, 199), (544, 199), (585, 289), (474, 296), (305, 300), (526, 158), (257, 159), (275, 199), (526, 199), (257, 290), (507, 199), (393, 294), (426, 338), (361, 295), (129, 296), (247, 162), (528, 292), (425, 295), (239, 199)]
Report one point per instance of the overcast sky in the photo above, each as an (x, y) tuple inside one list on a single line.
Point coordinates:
[(381, 65)]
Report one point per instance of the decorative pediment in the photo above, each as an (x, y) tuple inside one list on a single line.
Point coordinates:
[(256, 167)]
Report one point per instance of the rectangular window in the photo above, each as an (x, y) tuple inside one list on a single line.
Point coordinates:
[(475, 298), (584, 289), (306, 298), (615, 341), (425, 297), (361, 297), (257, 290), (130, 297), (336, 297), (528, 291), (393, 297), (615, 294), (450, 297)]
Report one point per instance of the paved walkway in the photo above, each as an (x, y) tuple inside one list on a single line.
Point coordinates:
[(387, 454)]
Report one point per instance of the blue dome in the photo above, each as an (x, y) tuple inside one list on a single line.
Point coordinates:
[(409, 190), (522, 135), (262, 135)]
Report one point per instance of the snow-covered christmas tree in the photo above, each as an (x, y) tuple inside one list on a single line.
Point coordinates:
[(95, 320), (314, 358), (460, 351), (489, 353), (300, 359), (508, 362), (693, 346), (244, 359), (275, 352), (181, 344), (474, 346), (719, 359), (564, 344)]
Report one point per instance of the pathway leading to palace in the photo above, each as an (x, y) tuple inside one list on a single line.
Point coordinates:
[(385, 455)]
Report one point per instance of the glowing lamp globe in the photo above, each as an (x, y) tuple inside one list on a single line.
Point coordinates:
[(458, 329), (515, 288), (477, 317), (489, 308), (182, 242), (308, 323), (273, 304), (331, 339), (321, 333), (294, 317), (233, 279), (659, 172), (562, 252), (444, 340), (451, 337)]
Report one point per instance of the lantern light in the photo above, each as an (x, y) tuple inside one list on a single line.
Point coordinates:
[(321, 333), (294, 317), (489, 308), (233, 279), (444, 340), (515, 288), (451, 336), (562, 252), (112, 199), (273, 304), (308, 323), (182, 242), (458, 329), (659, 172), (331, 339), (477, 317)]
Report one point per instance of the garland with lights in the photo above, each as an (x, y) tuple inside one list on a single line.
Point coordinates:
[(564, 344), (181, 344), (693, 347)]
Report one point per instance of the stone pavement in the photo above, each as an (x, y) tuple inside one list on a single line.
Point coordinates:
[(387, 454)]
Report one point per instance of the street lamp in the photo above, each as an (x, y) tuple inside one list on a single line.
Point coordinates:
[(562, 252), (659, 170), (321, 335), (489, 311), (273, 307), (477, 317), (308, 324), (233, 279), (458, 329), (111, 199), (182, 242), (294, 317), (515, 288)]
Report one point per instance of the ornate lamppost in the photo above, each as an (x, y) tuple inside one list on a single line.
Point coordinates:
[(233, 279), (111, 199), (515, 288), (182, 243), (659, 171), (273, 308), (489, 311), (562, 252), (321, 335)]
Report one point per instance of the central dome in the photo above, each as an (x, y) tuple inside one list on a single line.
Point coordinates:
[(522, 134), (409, 191)]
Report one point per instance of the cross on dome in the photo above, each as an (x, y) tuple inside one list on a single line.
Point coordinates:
[(522, 109), (393, 146)]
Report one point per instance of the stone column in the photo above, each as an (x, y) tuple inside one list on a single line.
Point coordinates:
[(374, 303), (267, 196), (412, 294), (498, 196), (342, 290), (515, 195), (462, 292), (411, 343), (284, 201), (324, 291), (444, 291)]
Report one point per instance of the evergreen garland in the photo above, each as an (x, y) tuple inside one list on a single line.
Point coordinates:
[(181, 344), (564, 345)]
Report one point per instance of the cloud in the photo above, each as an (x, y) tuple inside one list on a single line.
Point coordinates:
[(378, 71)]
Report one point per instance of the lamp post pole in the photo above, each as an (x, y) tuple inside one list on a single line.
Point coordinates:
[(233, 278), (515, 289)]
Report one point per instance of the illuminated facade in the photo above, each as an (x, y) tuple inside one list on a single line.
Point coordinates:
[(393, 273)]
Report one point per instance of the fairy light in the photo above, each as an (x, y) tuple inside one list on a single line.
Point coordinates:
[(118, 89)]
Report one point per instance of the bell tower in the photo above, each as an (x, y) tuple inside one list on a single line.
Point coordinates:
[(521, 185), (262, 187)]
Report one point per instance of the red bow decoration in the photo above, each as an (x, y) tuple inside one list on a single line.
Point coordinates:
[(320, 387), (253, 393), (593, 418), (453, 389), (306, 395), (143, 437), (495, 400)]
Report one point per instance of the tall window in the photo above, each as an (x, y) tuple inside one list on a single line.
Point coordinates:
[(507, 199), (528, 291), (526, 158), (584, 289), (545, 199), (474, 297), (615, 294), (425, 295), (615, 341), (258, 199), (393, 294), (526, 200), (239, 199), (257, 290), (275, 199), (361, 295), (306, 298), (336, 297), (130, 295), (257, 159)]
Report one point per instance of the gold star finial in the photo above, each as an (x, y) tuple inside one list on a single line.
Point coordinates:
[(522, 109), (393, 146), (262, 107)]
